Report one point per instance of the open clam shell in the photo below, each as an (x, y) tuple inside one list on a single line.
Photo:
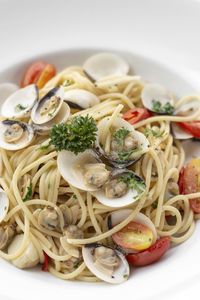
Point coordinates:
[(120, 215), (4, 205), (156, 98), (19, 103), (26, 137), (7, 89), (72, 167), (102, 136), (81, 98), (178, 132), (61, 117), (44, 111), (120, 272), (105, 64), (129, 197)]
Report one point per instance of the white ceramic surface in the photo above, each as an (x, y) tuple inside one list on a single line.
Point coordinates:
[(167, 31)]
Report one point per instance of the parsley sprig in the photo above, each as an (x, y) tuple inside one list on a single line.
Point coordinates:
[(167, 108), (29, 193), (133, 182), (125, 155), (76, 136)]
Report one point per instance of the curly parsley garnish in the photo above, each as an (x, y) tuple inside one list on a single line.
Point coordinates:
[(133, 182), (76, 136), (29, 193), (167, 108)]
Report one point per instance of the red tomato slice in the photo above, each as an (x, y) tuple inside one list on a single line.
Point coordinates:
[(46, 262), (180, 180), (191, 183), (150, 255), (136, 114), (33, 73), (38, 73), (191, 127), (134, 236)]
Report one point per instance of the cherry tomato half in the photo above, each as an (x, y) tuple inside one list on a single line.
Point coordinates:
[(191, 183), (46, 262), (134, 236), (136, 114), (151, 254), (38, 73), (191, 127)]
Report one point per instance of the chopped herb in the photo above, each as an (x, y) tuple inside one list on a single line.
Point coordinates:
[(167, 108), (125, 275), (19, 107), (155, 133), (22, 189), (133, 182), (120, 135), (154, 204), (5, 207), (76, 136), (191, 109), (74, 196), (49, 185), (50, 115), (29, 193), (44, 147), (101, 145), (66, 83), (125, 155), (76, 266)]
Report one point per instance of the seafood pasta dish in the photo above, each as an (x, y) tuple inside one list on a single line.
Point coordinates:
[(93, 179)]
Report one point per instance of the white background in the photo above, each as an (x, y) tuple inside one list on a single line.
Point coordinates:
[(166, 30)]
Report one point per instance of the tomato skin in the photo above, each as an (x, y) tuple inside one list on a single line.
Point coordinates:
[(33, 73), (151, 254), (136, 114), (48, 72), (46, 262), (134, 236), (180, 180), (191, 183), (191, 127)]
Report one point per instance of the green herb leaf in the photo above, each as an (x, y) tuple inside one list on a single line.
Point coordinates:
[(76, 136), (44, 147), (125, 275), (125, 155), (167, 108), (50, 115), (120, 135), (76, 266), (74, 196), (19, 107), (28, 194), (133, 182), (67, 83), (155, 133), (154, 204)]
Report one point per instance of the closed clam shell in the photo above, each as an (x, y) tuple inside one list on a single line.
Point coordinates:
[(4, 204), (81, 98)]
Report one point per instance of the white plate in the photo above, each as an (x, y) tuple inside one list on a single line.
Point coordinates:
[(145, 282)]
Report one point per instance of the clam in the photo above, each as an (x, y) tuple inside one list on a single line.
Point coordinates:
[(120, 144), (83, 171), (172, 189), (105, 64), (117, 191), (106, 263), (6, 89), (15, 135), (120, 215), (19, 103), (50, 110), (6, 235), (191, 149), (4, 205), (157, 99), (80, 98), (185, 110)]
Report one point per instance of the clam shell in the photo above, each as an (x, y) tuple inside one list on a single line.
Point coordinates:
[(178, 132), (157, 92), (58, 91), (121, 273), (120, 215), (105, 64), (7, 89), (70, 167), (11, 146), (118, 123), (129, 198), (61, 117), (4, 205), (82, 98), (24, 97)]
